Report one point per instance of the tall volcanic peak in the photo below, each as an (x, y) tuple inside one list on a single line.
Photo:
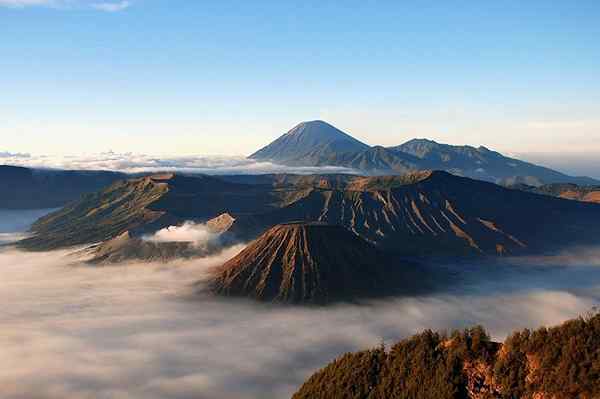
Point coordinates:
[(310, 142), (317, 143), (307, 263)]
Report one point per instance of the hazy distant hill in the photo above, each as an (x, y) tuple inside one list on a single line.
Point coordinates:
[(317, 143), (24, 188), (424, 213), (567, 191), (554, 363)]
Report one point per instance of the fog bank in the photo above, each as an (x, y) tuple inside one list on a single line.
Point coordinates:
[(137, 331)]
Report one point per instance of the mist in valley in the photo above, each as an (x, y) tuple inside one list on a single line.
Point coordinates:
[(143, 331)]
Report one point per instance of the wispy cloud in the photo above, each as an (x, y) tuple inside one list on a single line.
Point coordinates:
[(25, 3), (106, 6), (6, 154), (112, 7)]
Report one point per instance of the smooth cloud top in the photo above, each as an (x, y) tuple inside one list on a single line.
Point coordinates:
[(136, 163)]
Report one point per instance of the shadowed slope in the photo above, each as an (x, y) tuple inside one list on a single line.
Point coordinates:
[(567, 191), (422, 213), (145, 205), (439, 213), (24, 188), (308, 263)]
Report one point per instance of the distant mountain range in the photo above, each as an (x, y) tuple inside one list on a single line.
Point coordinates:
[(25, 188), (564, 190), (424, 213), (317, 143)]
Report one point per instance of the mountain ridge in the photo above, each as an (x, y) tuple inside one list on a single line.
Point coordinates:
[(423, 213), (28, 188), (416, 154)]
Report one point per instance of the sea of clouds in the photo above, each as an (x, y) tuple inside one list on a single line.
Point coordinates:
[(142, 331), (136, 163)]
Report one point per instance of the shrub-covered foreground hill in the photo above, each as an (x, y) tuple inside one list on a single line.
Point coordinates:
[(556, 363)]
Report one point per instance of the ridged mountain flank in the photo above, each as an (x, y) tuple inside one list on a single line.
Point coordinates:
[(308, 263), (433, 213), (422, 213), (145, 205)]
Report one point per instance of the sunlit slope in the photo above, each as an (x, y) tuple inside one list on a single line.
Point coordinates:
[(442, 213)]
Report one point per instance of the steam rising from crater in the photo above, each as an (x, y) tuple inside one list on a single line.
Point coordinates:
[(197, 233)]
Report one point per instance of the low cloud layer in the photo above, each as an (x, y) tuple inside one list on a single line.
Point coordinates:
[(137, 331), (134, 163), (576, 165)]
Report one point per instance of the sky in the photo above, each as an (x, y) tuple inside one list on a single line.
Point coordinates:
[(184, 77)]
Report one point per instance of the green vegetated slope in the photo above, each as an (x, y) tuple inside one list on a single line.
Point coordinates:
[(549, 363)]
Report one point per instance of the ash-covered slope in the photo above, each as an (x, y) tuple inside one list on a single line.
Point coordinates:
[(25, 188), (424, 213), (310, 263), (440, 213), (126, 248)]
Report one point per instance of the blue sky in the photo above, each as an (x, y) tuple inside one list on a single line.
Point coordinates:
[(198, 77)]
